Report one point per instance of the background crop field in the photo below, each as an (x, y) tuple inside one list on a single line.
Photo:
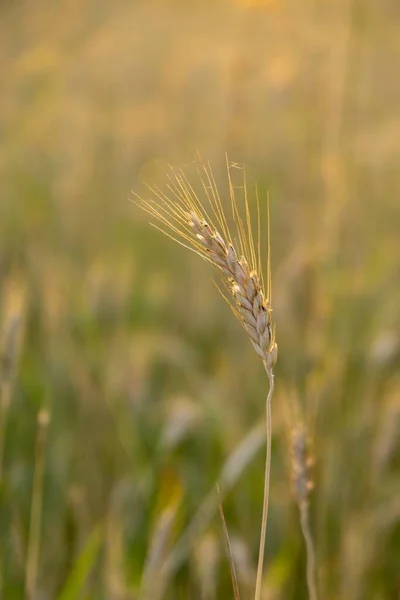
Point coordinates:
[(127, 388)]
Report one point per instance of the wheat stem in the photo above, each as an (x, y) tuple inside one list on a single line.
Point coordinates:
[(310, 550), (238, 259), (301, 463), (270, 374)]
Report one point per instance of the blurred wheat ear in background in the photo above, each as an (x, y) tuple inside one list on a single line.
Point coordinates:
[(199, 221)]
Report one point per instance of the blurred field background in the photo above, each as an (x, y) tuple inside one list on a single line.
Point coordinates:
[(127, 388)]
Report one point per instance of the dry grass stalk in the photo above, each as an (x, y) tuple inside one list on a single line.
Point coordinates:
[(202, 226), (235, 585), (301, 463)]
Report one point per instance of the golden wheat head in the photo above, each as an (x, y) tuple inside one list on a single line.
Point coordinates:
[(200, 223)]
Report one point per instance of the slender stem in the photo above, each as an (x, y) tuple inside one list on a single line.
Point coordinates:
[(34, 539), (305, 527), (5, 398), (257, 595), (235, 585)]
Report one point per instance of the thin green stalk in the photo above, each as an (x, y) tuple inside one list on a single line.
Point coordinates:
[(257, 595), (8, 355), (8, 359), (5, 398), (35, 525)]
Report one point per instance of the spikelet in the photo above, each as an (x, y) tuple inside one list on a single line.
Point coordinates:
[(301, 463), (202, 226)]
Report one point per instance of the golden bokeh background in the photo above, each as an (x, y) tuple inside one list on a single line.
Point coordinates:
[(127, 388)]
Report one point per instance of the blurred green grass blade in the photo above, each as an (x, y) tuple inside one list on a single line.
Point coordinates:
[(84, 564)]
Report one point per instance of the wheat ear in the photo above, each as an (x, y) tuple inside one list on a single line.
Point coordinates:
[(201, 225)]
